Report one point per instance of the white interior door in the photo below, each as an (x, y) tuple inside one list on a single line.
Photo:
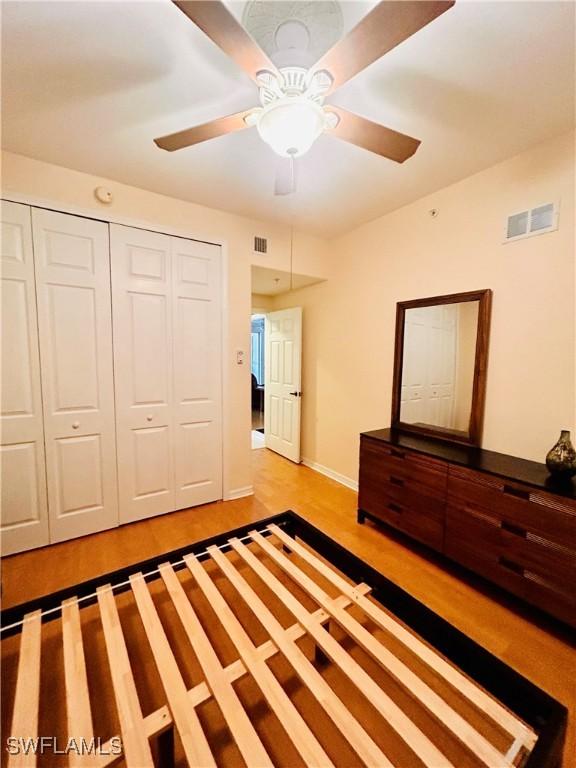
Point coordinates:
[(197, 372), (283, 396), (141, 304), (72, 263), (23, 469)]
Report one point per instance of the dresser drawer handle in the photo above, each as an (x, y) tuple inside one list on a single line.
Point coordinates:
[(515, 529), (510, 566), (396, 480), (521, 494), (398, 454), (395, 507)]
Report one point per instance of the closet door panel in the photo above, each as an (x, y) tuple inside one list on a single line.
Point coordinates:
[(141, 299), (73, 289), (23, 498), (197, 372)]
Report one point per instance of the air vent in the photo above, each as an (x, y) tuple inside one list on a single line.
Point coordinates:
[(543, 218), (260, 245)]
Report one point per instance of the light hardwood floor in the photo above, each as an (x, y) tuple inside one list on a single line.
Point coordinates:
[(536, 648)]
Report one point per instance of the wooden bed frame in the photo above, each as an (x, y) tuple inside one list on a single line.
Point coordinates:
[(346, 630)]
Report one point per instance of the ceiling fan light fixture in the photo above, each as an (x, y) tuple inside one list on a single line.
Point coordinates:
[(291, 125)]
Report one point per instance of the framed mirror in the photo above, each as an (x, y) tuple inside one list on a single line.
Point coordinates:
[(440, 364)]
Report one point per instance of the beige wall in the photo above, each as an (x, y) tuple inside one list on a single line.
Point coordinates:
[(349, 320), (261, 303), (75, 190)]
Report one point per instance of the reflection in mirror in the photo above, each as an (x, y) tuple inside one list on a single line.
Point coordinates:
[(438, 365)]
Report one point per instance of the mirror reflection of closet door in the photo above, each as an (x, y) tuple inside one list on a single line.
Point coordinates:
[(72, 266), (428, 377), (23, 471)]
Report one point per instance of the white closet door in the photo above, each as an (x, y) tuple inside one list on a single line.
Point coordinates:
[(73, 292), (141, 291), (197, 372), (23, 470)]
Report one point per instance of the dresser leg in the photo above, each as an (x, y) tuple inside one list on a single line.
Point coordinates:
[(361, 516)]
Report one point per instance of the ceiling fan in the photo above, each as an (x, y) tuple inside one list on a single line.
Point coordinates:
[(292, 113)]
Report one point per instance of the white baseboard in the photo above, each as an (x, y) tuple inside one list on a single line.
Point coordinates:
[(239, 493), (342, 479)]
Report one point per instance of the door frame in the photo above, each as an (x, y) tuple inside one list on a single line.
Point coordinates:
[(109, 217)]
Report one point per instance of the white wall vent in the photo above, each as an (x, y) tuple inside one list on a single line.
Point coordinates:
[(536, 221), (260, 245)]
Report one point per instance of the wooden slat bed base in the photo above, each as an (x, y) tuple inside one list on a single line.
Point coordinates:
[(473, 692), (296, 577)]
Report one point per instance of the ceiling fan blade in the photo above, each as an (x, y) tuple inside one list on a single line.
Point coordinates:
[(189, 136), (383, 28), (285, 180), (216, 21), (372, 136)]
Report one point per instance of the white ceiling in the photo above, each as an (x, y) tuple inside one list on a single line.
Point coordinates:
[(88, 85), (271, 282)]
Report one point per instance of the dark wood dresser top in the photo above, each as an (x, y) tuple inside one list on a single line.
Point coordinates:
[(509, 467)]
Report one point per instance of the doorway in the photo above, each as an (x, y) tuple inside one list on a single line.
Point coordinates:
[(257, 365)]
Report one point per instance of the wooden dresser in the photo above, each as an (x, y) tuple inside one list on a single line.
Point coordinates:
[(502, 517)]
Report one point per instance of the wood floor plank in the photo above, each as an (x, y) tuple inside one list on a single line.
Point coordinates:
[(412, 683), (134, 737), (27, 696), (457, 679), (296, 727), (78, 711), (351, 729), (193, 738)]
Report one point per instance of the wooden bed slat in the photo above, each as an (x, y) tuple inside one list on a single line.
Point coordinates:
[(27, 696), (417, 688), (78, 712), (134, 737), (351, 729), (434, 660), (192, 736), (242, 730), (296, 727)]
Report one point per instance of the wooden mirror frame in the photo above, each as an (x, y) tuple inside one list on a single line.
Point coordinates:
[(474, 434)]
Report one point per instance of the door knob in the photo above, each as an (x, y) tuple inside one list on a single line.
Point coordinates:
[(296, 394), (75, 424), (149, 417)]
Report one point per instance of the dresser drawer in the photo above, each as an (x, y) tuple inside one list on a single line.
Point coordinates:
[(537, 512), (530, 566), (382, 462), (408, 517)]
